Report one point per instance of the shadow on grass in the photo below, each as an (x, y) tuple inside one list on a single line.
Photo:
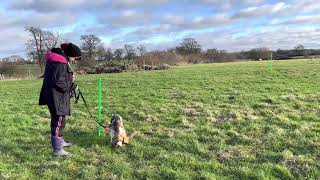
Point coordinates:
[(86, 138)]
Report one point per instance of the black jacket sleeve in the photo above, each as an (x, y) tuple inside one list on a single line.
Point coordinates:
[(62, 81)]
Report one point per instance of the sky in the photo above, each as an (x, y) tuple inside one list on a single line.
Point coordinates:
[(233, 25)]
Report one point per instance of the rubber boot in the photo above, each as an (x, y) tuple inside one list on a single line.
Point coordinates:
[(60, 153), (57, 146), (66, 144)]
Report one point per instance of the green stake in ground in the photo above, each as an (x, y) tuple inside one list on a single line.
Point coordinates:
[(270, 64), (99, 105)]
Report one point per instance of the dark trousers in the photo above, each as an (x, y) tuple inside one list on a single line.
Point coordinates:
[(58, 123)]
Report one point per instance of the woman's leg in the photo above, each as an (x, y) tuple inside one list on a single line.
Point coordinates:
[(57, 125)]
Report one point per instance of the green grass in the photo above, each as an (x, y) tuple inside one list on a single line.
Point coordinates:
[(234, 120)]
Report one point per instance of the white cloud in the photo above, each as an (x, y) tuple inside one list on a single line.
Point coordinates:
[(38, 19), (301, 19), (173, 19), (231, 3), (308, 6), (12, 32), (54, 5), (263, 10), (209, 22), (124, 19), (272, 38), (245, 2), (13, 41), (125, 4), (182, 23), (162, 22)]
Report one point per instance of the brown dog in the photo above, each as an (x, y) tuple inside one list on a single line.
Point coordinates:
[(117, 132)]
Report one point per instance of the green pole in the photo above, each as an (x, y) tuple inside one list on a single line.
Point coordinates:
[(271, 63), (99, 105)]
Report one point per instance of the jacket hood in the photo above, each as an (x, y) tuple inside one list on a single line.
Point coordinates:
[(54, 57)]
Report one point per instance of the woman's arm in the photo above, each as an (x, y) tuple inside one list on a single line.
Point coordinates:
[(62, 83)]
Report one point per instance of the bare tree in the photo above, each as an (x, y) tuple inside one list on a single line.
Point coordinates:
[(299, 47), (189, 46), (212, 54), (40, 42), (90, 44), (118, 53), (299, 50), (101, 52), (7, 69), (306, 53), (108, 55), (35, 45), (141, 49), (171, 50), (51, 39), (259, 53), (130, 52), (17, 59)]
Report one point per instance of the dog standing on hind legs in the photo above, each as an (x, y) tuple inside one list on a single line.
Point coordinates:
[(117, 132)]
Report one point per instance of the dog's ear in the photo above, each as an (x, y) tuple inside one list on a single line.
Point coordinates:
[(118, 123), (112, 118)]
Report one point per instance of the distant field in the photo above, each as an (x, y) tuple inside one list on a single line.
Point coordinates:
[(212, 121)]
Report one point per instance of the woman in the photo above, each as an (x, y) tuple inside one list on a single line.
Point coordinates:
[(55, 93)]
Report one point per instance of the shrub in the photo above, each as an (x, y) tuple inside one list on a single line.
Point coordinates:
[(9, 69)]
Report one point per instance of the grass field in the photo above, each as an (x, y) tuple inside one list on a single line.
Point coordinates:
[(234, 120)]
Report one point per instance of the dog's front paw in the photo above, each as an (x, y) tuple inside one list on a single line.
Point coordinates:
[(116, 144), (119, 144)]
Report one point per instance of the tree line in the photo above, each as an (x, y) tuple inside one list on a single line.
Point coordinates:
[(187, 51)]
